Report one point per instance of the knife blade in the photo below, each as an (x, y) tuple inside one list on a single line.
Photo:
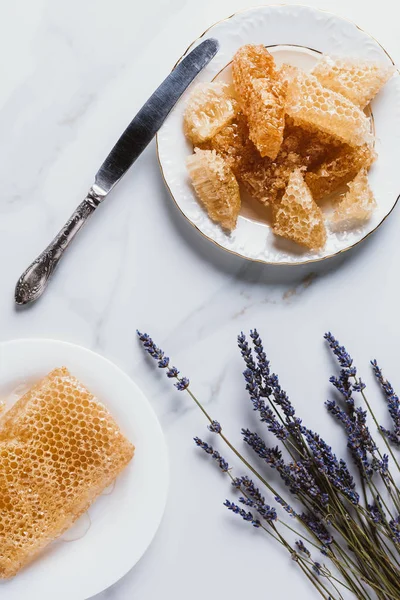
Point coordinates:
[(130, 145)]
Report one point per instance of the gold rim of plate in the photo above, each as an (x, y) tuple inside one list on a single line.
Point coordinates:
[(259, 260)]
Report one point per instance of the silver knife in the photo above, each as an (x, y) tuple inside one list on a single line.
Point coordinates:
[(130, 145)]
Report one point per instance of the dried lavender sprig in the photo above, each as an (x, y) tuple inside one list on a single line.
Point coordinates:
[(247, 516), (302, 548), (222, 463), (296, 475), (327, 463), (339, 351), (267, 382), (393, 403), (318, 528), (163, 361), (266, 414), (268, 513)]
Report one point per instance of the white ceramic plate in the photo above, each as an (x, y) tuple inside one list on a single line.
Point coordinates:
[(295, 34), (123, 522)]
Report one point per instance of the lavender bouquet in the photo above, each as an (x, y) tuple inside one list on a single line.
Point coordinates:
[(344, 530)]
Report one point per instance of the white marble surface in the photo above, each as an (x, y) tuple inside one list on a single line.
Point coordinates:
[(73, 74)]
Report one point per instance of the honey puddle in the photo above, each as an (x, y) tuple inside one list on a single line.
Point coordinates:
[(82, 525), (78, 530)]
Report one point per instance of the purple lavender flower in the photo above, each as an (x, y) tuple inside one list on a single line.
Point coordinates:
[(394, 525), (246, 352), (359, 439), (254, 498), (280, 397), (266, 414), (223, 465), (393, 405), (251, 490), (336, 471), (183, 384), (318, 528), (339, 351), (259, 380), (262, 361), (162, 360), (267, 512), (296, 475), (215, 427), (285, 506), (317, 567), (247, 516), (300, 545), (344, 386), (273, 456), (172, 372), (376, 511)]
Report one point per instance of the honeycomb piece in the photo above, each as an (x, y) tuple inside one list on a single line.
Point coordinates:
[(357, 205), (312, 105), (263, 178), (298, 217), (261, 95), (210, 107), (314, 146), (266, 180), (233, 143), (356, 80), (339, 170), (59, 449), (216, 186)]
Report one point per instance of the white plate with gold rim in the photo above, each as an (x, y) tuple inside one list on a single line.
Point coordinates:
[(295, 35), (103, 547)]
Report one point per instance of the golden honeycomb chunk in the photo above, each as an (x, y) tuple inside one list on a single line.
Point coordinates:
[(359, 81), (312, 105), (233, 143), (265, 179), (298, 217), (357, 205), (216, 186), (59, 449), (210, 107), (339, 169), (261, 95)]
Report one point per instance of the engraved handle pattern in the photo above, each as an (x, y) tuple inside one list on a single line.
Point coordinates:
[(34, 280)]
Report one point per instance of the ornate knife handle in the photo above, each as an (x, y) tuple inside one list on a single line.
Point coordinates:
[(34, 280)]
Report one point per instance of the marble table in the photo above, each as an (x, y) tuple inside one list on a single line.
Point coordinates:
[(73, 74)]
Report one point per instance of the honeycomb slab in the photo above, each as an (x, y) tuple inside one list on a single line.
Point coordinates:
[(357, 205), (216, 186), (359, 81), (210, 107), (59, 449), (312, 105), (298, 217), (261, 94)]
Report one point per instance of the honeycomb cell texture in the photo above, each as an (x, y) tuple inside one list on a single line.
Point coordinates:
[(339, 169), (59, 449), (263, 178), (298, 217), (312, 105), (210, 107), (357, 205), (359, 81), (261, 94), (216, 186)]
